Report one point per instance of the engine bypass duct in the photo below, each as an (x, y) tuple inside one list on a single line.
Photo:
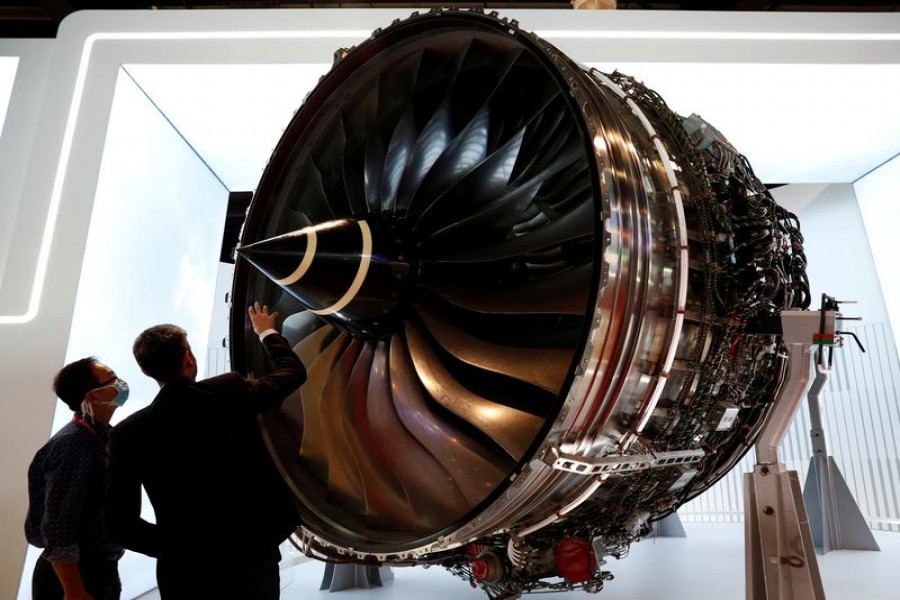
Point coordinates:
[(524, 292)]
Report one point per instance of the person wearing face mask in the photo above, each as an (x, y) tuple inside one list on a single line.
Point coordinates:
[(66, 483)]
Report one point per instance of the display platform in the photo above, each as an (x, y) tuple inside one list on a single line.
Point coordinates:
[(708, 563)]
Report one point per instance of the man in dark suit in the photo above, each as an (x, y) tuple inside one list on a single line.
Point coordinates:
[(221, 507)]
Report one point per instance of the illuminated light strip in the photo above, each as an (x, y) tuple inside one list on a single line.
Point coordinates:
[(234, 35), (40, 271), (66, 147), (365, 259), (303, 267), (721, 35)]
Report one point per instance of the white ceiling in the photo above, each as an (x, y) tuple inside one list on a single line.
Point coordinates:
[(232, 115), (796, 123)]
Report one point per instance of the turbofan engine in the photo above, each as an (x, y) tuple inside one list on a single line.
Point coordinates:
[(524, 292)]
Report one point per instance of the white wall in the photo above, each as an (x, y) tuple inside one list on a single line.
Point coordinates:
[(24, 391), (49, 166), (19, 128), (879, 202)]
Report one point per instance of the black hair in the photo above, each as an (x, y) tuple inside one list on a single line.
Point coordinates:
[(159, 351), (75, 380)]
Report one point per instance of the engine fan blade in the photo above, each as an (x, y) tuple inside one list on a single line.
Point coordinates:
[(319, 364), (491, 224), (475, 468), (543, 367), (436, 500), (466, 151), (357, 125), (513, 430), (294, 219), (387, 506), (345, 487), (315, 201), (300, 325), (547, 131), (477, 133), (333, 179), (399, 153), (373, 172), (570, 226), (475, 189), (562, 293), (432, 142)]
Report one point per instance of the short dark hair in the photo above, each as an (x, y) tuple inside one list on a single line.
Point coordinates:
[(75, 380), (159, 351)]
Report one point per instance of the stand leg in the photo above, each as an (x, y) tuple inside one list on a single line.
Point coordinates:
[(834, 517), (345, 576), (669, 527), (780, 559)]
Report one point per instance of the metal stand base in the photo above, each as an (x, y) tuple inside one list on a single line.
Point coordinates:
[(780, 559), (346, 576), (669, 527), (834, 517)]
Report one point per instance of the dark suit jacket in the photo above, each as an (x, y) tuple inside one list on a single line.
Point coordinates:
[(198, 451)]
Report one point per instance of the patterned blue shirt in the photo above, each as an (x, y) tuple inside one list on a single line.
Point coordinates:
[(66, 482)]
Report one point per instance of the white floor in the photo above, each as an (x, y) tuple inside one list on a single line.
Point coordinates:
[(707, 564)]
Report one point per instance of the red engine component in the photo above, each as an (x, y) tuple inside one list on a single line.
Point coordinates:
[(488, 566), (575, 560)]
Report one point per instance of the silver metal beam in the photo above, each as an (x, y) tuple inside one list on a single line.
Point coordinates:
[(780, 559)]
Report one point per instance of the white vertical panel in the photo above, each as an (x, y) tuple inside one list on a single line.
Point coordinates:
[(218, 361), (876, 194)]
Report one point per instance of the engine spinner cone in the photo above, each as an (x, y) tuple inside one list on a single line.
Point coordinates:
[(353, 273)]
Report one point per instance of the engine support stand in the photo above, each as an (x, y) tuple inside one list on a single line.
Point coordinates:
[(834, 516), (780, 559)]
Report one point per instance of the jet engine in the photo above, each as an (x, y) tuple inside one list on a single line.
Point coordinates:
[(527, 296)]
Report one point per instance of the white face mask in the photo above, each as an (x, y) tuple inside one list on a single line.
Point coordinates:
[(87, 409)]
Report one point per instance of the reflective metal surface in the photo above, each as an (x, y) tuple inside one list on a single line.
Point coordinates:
[(491, 258)]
